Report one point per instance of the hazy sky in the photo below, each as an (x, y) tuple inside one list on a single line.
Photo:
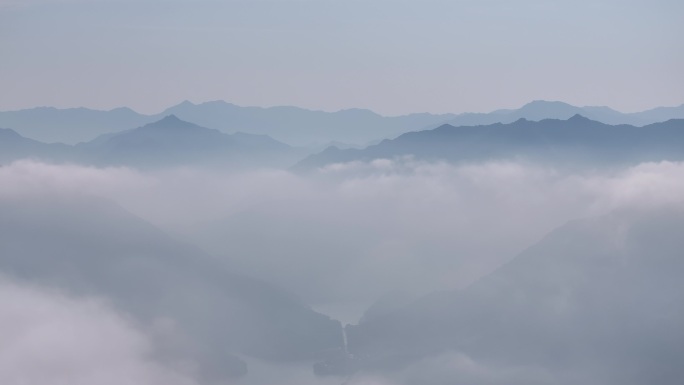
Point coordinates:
[(392, 56)]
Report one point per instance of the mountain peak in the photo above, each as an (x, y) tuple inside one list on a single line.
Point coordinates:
[(7, 133), (546, 103), (541, 109), (170, 122), (169, 119), (579, 118)]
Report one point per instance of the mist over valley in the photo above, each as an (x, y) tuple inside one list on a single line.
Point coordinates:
[(340, 192)]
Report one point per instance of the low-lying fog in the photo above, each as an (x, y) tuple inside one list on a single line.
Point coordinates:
[(338, 239)]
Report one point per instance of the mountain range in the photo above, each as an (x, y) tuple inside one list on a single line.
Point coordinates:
[(14, 146), (541, 109), (165, 143), (297, 126), (173, 142), (577, 140)]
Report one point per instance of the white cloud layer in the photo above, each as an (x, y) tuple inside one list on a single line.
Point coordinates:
[(353, 232), (49, 338), (339, 238)]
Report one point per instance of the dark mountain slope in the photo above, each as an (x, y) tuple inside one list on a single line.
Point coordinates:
[(168, 142), (541, 109), (93, 247), (575, 140), (171, 141), (602, 296)]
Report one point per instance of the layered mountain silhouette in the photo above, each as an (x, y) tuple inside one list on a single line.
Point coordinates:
[(292, 125), (14, 146), (541, 109), (165, 143), (605, 290), (89, 246), (574, 140), (71, 125), (171, 141), (297, 126)]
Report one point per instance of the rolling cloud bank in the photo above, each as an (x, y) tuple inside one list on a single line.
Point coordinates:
[(409, 250)]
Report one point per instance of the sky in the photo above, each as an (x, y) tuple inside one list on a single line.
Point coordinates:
[(393, 57)]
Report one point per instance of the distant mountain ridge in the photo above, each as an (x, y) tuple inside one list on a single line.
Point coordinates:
[(171, 141), (164, 143), (14, 146), (297, 126), (540, 110), (574, 140), (71, 125)]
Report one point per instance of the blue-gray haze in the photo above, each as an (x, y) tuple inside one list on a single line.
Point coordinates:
[(236, 239), (204, 264), (391, 56)]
